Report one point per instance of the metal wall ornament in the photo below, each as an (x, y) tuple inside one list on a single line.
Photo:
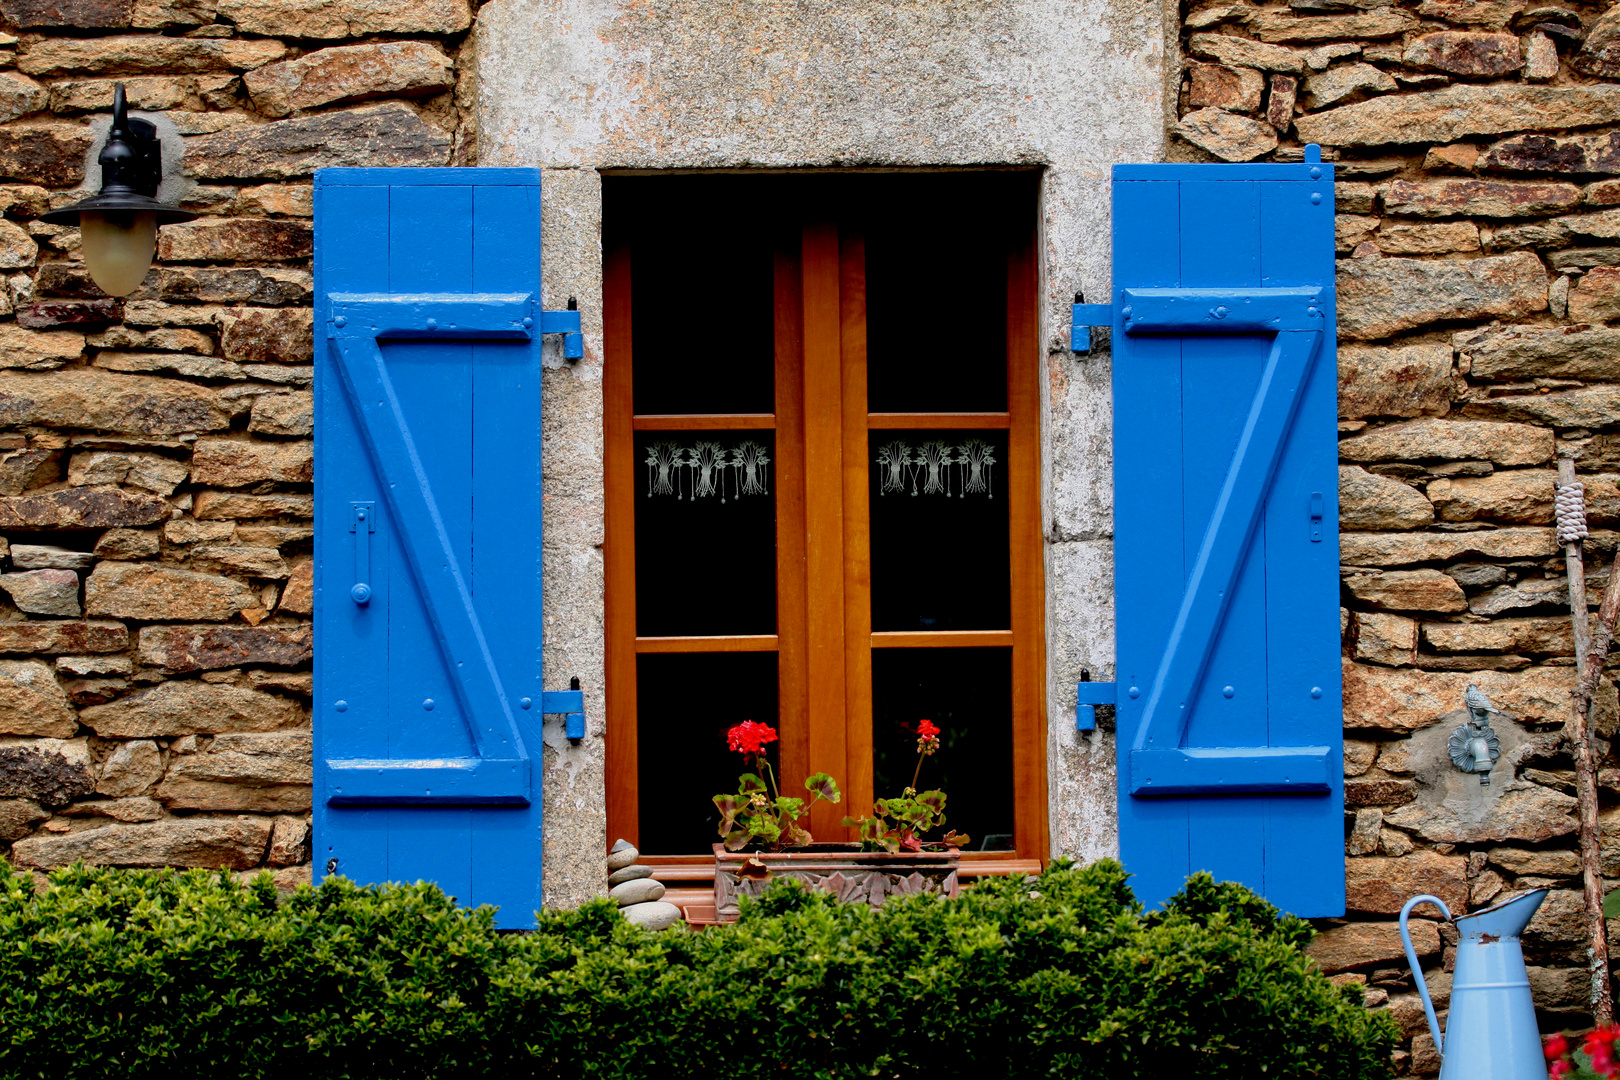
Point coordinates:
[(705, 469), (937, 468), (1474, 747)]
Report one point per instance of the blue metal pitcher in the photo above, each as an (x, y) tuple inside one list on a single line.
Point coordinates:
[(1492, 1033)]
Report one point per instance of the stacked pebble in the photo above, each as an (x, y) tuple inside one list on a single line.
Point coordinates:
[(632, 885)]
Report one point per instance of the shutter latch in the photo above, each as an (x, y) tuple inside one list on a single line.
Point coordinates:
[(1316, 517), (565, 323), (1084, 318), (571, 703), (1088, 695)]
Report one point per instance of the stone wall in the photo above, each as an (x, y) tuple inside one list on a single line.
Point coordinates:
[(155, 454), (1477, 152)]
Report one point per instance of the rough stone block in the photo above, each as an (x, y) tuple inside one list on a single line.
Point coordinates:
[(1451, 440), (127, 544), (84, 398), (187, 531), (1523, 496), (1385, 639), (48, 637), (71, 14), (47, 153), (1222, 87), (1437, 239), (1271, 25), (1361, 944), (267, 773), (1600, 52), (18, 818), (240, 559), (268, 335), (1381, 297), (1554, 153), (131, 769), (81, 314), (187, 364), (1547, 636), (33, 703), (1454, 197), (70, 97), (1243, 52), (289, 842), (1280, 105), (94, 665), (81, 508), (126, 338), (213, 284), (1534, 352), (358, 72), (150, 472), (1404, 549), (50, 771), (1592, 407), (1368, 502), (144, 591), (236, 239), (171, 14), (1491, 14), (231, 463), (1457, 112), (43, 592), (372, 135), (1346, 83), (1380, 886), (145, 54), (283, 414), (1524, 593), (187, 707), (1469, 53), (207, 843), (202, 648), (1407, 590), (24, 469), (1406, 380), (1405, 699), (1597, 297), (1228, 136), (225, 506), (278, 200), (33, 350), (335, 19), (298, 598), (1536, 863)]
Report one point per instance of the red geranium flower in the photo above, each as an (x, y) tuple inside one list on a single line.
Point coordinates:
[(749, 737), (1556, 1047), (927, 736)]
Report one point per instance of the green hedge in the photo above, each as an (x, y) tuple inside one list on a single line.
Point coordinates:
[(114, 973)]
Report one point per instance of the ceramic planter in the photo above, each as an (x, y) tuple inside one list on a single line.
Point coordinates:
[(844, 870)]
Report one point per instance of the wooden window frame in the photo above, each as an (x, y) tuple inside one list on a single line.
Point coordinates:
[(824, 642)]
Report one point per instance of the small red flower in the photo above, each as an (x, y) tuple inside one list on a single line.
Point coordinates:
[(1556, 1047), (749, 737), (1559, 1069), (927, 736)]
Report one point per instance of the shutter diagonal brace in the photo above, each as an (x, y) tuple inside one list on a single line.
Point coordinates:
[(501, 773), (1159, 764)]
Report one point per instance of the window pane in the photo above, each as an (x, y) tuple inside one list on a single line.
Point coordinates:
[(940, 557), (687, 701), (936, 298), (705, 533), (968, 694), (702, 315)]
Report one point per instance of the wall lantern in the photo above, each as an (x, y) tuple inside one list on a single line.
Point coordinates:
[(119, 223)]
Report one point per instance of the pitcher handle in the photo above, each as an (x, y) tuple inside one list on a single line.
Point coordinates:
[(1417, 971)]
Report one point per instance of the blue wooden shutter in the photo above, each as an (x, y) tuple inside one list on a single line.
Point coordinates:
[(428, 689), (1225, 530)]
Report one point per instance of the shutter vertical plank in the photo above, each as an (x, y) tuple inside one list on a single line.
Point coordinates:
[(1147, 502), (1229, 728), (1304, 630), (1220, 246), (428, 405)]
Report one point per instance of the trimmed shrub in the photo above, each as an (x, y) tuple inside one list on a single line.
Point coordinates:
[(157, 973)]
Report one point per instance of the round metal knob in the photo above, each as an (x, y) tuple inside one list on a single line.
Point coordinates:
[(361, 593)]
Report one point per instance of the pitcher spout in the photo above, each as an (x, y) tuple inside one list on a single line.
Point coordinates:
[(1505, 920)]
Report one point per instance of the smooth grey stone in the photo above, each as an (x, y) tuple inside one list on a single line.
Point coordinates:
[(655, 915), (638, 891), (46, 557), (629, 873), (623, 854)]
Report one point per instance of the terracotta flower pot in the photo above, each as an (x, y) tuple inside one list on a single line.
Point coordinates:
[(844, 870)]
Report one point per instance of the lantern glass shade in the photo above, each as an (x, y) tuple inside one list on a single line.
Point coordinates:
[(118, 247)]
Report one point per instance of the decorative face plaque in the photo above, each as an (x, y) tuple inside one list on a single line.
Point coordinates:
[(937, 468), (706, 469)]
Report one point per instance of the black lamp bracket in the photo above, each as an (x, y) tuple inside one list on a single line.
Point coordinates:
[(131, 163)]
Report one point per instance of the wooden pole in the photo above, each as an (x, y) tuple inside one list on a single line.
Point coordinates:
[(1578, 733)]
